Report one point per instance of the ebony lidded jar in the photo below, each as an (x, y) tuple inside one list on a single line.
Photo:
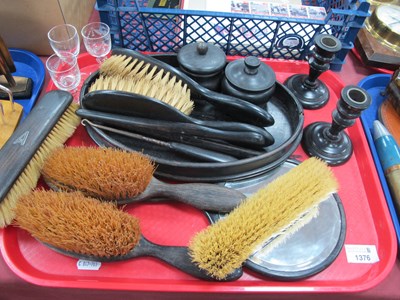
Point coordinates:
[(204, 62), (249, 79)]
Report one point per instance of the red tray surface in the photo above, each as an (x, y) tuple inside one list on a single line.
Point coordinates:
[(368, 223)]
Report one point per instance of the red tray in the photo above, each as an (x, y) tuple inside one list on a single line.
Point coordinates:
[(368, 223)]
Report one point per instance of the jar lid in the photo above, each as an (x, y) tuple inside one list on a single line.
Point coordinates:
[(250, 74), (202, 58)]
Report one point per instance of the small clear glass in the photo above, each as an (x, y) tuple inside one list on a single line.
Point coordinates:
[(64, 39), (65, 73), (97, 40)]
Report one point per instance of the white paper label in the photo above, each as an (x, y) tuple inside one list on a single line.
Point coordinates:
[(88, 265), (361, 254)]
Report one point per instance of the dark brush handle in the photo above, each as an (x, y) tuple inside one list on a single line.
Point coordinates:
[(204, 196), (219, 146), (237, 108), (143, 125), (218, 151), (7, 56), (136, 105), (104, 140), (7, 66), (190, 151), (176, 256)]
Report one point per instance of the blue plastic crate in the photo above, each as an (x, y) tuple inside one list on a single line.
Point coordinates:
[(137, 27)]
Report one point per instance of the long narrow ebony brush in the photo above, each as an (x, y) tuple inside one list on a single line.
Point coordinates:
[(50, 123)]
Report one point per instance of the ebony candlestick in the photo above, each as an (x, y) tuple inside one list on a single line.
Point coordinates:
[(328, 141), (311, 91)]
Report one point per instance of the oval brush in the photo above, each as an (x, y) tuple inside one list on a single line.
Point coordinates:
[(126, 177), (86, 228), (137, 64), (272, 213)]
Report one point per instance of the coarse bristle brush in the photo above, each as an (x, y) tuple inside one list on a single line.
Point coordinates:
[(129, 62), (125, 177), (279, 209), (50, 123), (86, 228)]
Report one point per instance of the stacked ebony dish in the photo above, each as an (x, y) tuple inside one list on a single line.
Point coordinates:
[(239, 154)]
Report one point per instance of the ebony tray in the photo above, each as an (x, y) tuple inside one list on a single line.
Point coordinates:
[(287, 131)]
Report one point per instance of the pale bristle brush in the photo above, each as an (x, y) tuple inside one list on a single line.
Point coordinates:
[(163, 80), (48, 126), (280, 208), (122, 73)]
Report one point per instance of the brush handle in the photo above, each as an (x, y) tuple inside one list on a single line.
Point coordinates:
[(191, 151), (5, 53), (176, 256), (104, 140), (204, 196), (237, 108), (7, 66), (143, 125), (214, 145), (136, 105)]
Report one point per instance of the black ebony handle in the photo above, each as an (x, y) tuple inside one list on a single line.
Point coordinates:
[(144, 125), (237, 108), (176, 256)]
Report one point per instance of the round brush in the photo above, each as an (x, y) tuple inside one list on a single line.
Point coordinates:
[(86, 228), (126, 177)]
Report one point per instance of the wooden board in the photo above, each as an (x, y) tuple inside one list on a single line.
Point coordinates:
[(10, 120), (374, 54)]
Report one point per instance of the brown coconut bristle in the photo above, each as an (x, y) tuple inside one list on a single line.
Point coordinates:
[(224, 246), (72, 222), (106, 173)]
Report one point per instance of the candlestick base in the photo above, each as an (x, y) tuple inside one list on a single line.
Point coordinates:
[(333, 151), (309, 98)]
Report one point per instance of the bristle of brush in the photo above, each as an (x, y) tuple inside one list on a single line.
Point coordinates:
[(28, 179), (106, 173), (122, 73), (224, 246), (117, 65), (76, 223)]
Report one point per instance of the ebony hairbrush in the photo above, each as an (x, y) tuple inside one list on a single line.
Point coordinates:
[(126, 177), (86, 228), (238, 109)]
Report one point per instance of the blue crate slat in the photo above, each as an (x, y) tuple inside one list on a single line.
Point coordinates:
[(135, 26)]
